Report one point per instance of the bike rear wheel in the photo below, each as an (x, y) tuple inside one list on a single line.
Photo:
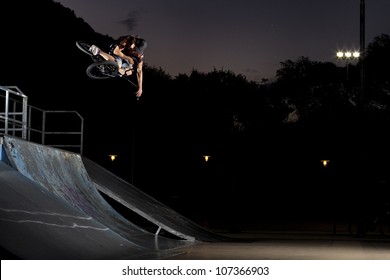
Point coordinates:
[(103, 70)]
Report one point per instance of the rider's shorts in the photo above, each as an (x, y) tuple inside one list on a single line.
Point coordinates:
[(124, 62)]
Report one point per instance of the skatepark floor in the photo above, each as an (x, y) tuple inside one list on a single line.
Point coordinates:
[(293, 242)]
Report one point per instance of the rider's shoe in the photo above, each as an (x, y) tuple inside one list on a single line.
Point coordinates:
[(95, 50)]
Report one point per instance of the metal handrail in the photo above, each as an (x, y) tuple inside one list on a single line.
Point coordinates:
[(17, 119)]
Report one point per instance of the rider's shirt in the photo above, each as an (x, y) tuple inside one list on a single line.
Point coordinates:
[(136, 54)]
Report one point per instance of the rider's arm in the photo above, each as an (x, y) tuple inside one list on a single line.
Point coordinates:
[(139, 78), (117, 51)]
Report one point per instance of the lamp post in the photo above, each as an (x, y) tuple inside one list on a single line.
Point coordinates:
[(206, 158), (326, 173), (347, 56), (362, 48), (113, 157)]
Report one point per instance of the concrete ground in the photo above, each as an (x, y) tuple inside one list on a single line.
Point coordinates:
[(317, 242)]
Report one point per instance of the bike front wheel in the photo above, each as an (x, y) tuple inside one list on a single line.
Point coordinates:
[(103, 70), (84, 47)]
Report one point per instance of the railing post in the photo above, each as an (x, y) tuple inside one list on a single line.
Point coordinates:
[(16, 118), (43, 128), (6, 112), (24, 118)]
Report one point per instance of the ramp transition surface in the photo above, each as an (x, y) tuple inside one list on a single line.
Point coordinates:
[(36, 224), (78, 183), (63, 175), (148, 207), (77, 180)]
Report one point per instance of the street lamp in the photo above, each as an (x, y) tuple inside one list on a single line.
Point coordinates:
[(206, 158), (347, 56), (113, 157), (325, 162)]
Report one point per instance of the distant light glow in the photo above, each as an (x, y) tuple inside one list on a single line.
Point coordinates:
[(325, 162), (206, 158), (347, 54), (113, 157), (356, 54)]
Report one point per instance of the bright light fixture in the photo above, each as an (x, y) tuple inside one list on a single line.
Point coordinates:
[(325, 162), (113, 157)]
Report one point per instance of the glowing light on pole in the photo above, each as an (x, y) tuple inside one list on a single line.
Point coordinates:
[(325, 162), (113, 157), (347, 56)]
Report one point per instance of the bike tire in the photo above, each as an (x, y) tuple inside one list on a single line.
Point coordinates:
[(84, 47), (103, 70)]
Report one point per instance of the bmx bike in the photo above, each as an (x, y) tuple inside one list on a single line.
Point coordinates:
[(100, 68)]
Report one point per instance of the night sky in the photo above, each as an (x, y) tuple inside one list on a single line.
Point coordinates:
[(248, 37)]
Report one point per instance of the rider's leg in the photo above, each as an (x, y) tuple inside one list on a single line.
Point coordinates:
[(96, 51), (125, 71), (106, 56), (124, 66)]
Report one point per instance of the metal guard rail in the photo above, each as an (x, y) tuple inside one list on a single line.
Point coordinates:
[(19, 119)]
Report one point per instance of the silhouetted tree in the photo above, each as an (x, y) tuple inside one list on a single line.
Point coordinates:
[(377, 63)]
